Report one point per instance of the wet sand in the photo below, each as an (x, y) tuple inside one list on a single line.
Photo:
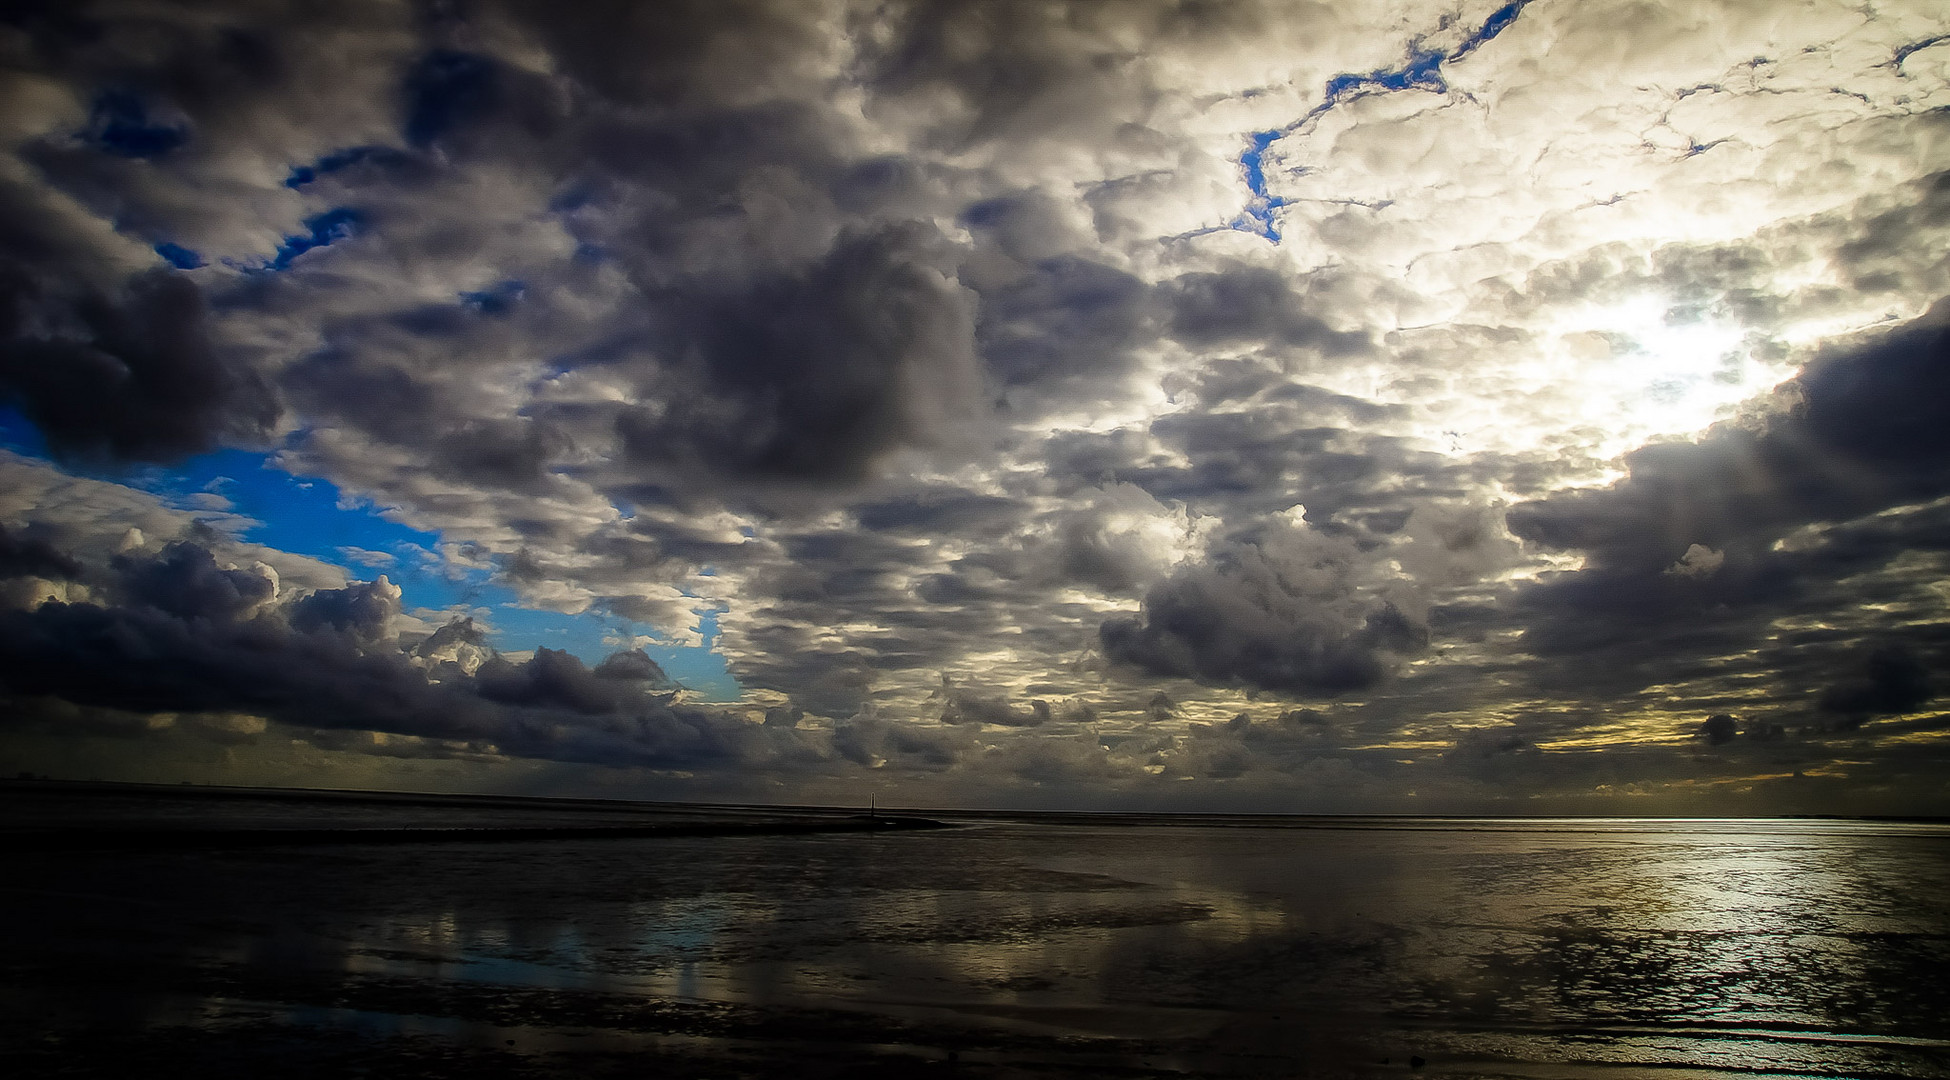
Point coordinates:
[(762, 942)]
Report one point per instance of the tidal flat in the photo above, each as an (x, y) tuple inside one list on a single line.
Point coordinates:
[(168, 932)]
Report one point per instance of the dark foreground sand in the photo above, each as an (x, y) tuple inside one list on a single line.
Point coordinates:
[(170, 935)]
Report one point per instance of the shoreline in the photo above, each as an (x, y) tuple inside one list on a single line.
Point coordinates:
[(204, 792)]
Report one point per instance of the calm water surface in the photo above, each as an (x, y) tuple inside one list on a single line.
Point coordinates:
[(1002, 948)]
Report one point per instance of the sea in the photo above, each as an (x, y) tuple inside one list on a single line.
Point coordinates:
[(163, 931)]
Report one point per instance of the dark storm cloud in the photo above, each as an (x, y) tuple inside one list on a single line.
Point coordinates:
[(1863, 429), (147, 659), (363, 610), (1032, 228), (21, 556), (122, 373), (1284, 611), (176, 632), (1066, 319), (1719, 728), (397, 386), (445, 89), (683, 53), (1694, 552), (112, 364), (1022, 71), (1265, 459), (1288, 744), (1866, 432), (1252, 304), (1882, 253), (815, 375), (1240, 381), (1254, 452), (876, 743), (509, 454), (934, 512), (960, 705), (770, 346), (152, 72), (1088, 552), (1013, 575), (633, 665), (185, 581), (180, 106), (1252, 443), (1893, 681), (553, 679)]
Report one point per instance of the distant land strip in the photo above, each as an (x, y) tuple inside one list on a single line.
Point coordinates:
[(86, 839)]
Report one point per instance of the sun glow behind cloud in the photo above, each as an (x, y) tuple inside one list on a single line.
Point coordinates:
[(1598, 379), (1647, 371)]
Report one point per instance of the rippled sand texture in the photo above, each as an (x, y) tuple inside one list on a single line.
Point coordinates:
[(1004, 948)]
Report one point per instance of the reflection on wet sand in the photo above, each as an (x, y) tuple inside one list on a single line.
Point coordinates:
[(1003, 947)]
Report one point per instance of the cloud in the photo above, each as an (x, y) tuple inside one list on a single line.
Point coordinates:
[(183, 634), (1251, 304), (1719, 728), (875, 743), (813, 376), (633, 665), (1064, 322), (21, 556), (962, 706), (185, 581), (1286, 610), (1699, 528), (89, 523), (1893, 681), (1698, 561), (874, 344), (363, 610), (122, 374)]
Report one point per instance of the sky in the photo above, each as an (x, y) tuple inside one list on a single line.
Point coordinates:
[(1182, 405)]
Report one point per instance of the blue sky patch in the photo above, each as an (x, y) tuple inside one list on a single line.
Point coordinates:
[(1260, 209), (311, 516), (121, 123), (1421, 71), (497, 300), (1499, 20), (180, 257), (321, 231), (17, 433), (342, 159)]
